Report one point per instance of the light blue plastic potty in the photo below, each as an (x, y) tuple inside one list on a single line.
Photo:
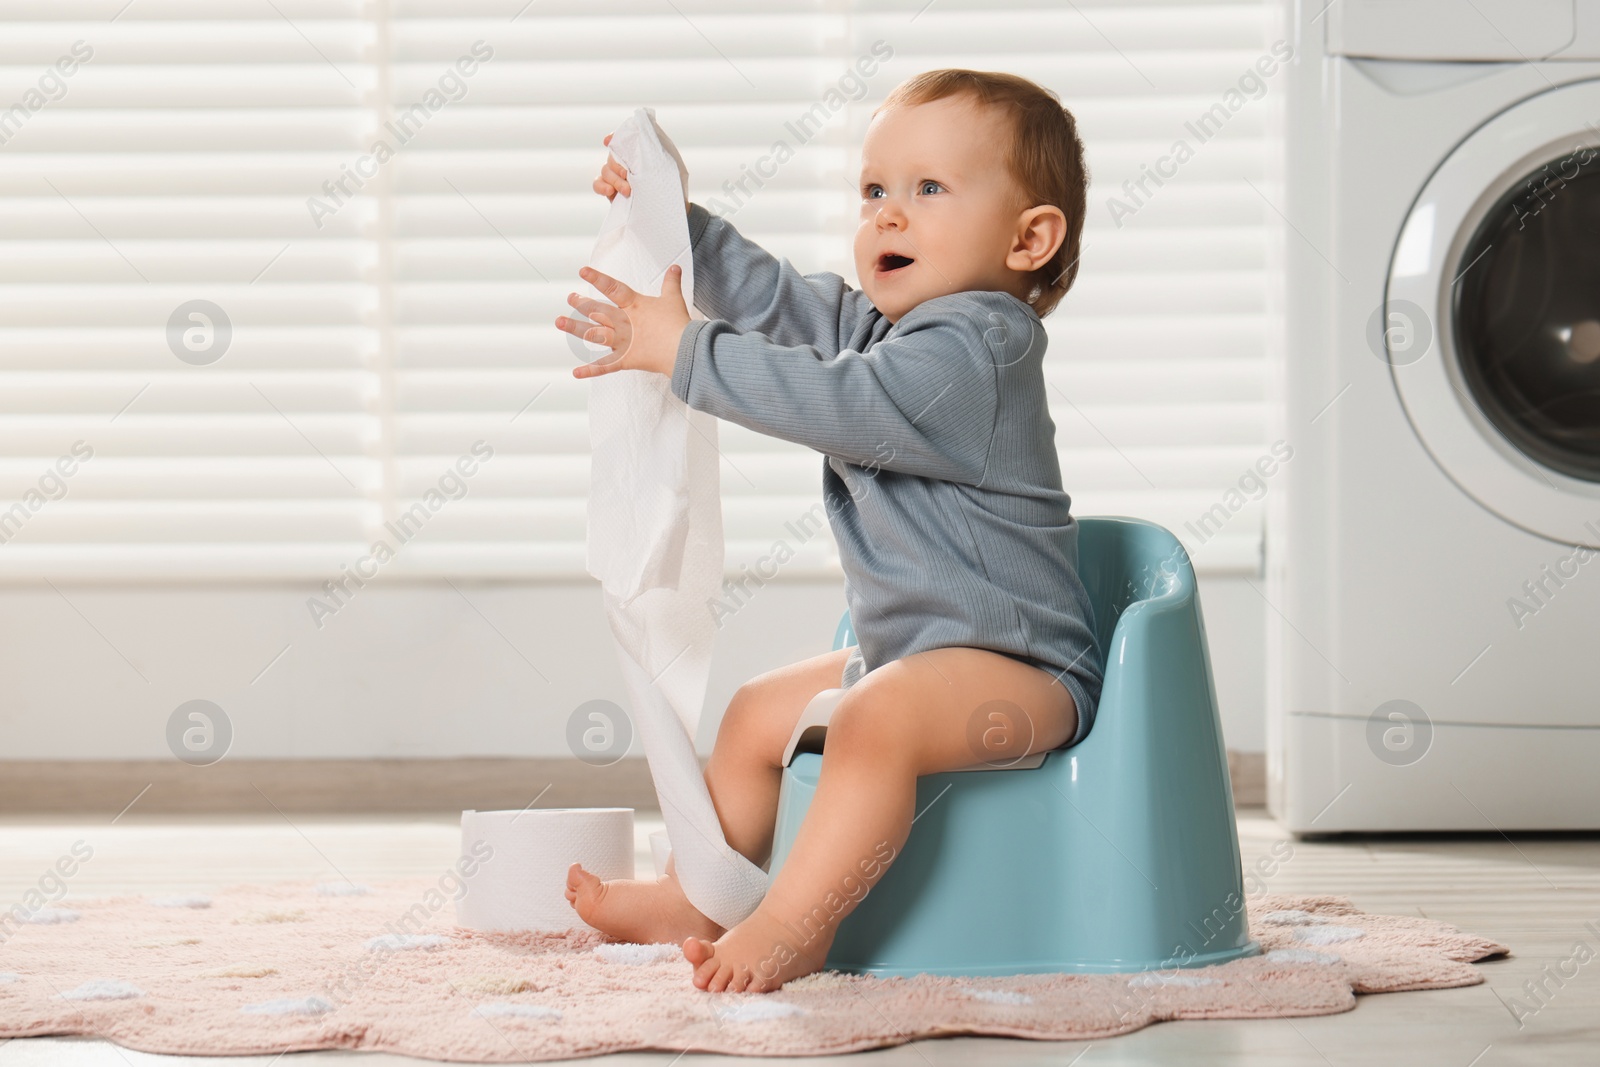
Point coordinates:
[(1117, 854)]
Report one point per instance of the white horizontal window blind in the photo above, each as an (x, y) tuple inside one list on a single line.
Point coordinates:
[(278, 277), (167, 302)]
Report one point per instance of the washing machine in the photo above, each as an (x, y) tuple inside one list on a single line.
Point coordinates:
[(1432, 580)]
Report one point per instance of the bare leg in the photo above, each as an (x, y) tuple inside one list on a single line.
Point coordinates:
[(907, 718), (743, 777), (745, 770)]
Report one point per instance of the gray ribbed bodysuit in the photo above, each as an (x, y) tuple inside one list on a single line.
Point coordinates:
[(941, 479)]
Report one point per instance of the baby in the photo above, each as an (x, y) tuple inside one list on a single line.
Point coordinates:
[(924, 389)]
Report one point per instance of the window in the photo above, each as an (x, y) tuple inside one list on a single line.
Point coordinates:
[(278, 277)]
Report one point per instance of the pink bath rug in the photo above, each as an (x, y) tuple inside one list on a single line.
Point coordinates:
[(297, 965)]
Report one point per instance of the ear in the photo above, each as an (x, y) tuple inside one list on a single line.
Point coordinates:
[(1040, 232)]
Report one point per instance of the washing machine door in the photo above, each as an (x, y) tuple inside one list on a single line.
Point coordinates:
[(1491, 321)]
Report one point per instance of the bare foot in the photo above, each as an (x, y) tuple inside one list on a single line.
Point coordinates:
[(757, 956), (643, 912)]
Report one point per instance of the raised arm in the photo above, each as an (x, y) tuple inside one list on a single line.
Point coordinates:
[(741, 283), (922, 400)]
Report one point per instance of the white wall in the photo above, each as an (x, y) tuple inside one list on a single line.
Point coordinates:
[(95, 671)]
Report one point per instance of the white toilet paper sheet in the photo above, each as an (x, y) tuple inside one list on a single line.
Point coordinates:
[(655, 528), (522, 883)]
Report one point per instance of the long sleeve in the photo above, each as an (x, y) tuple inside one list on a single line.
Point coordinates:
[(739, 282), (921, 400)]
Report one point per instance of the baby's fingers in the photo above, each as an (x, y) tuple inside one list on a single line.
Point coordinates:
[(609, 186), (613, 176), (577, 327), (620, 294), (616, 175), (603, 365)]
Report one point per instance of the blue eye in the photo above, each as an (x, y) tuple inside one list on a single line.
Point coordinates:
[(867, 189)]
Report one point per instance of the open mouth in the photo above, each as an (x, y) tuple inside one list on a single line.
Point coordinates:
[(890, 262)]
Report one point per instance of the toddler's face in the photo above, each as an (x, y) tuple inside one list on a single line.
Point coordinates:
[(935, 189)]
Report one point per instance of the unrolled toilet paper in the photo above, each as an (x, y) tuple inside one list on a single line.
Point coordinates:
[(523, 856), (655, 528)]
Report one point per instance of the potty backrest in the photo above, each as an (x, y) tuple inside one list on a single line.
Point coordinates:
[(1122, 561)]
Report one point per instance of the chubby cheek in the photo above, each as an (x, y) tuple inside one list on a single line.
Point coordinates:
[(953, 248), (866, 271), (864, 264)]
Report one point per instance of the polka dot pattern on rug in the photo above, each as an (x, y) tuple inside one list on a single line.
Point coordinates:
[(637, 955), (1327, 935), (103, 989), (405, 942), (1292, 917), (516, 1011), (274, 915), (289, 1006), (757, 1010), (200, 982)]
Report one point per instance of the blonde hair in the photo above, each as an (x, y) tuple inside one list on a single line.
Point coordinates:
[(1045, 157)]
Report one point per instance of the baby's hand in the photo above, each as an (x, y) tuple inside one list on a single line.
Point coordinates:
[(614, 179), (642, 331)]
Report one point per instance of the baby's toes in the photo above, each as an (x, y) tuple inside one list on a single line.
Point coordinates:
[(583, 889), (700, 952), (721, 980)]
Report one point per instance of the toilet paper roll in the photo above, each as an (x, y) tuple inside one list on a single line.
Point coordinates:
[(521, 884)]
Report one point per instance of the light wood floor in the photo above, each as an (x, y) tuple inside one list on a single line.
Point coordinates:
[(1533, 892)]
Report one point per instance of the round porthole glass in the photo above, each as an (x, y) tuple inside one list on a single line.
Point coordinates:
[(1526, 315)]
